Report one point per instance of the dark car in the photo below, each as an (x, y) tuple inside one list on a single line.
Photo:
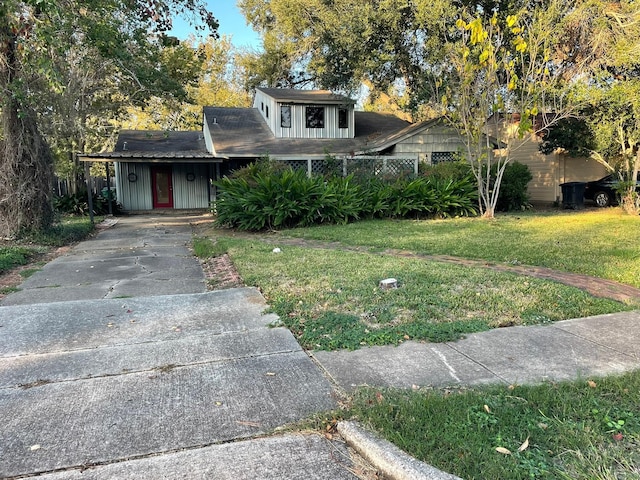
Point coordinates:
[(603, 192)]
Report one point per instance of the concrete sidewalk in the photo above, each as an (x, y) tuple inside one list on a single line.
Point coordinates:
[(566, 350), (115, 363)]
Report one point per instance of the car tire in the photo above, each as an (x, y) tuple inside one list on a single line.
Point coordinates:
[(602, 199)]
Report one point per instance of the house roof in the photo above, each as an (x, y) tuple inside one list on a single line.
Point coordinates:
[(290, 95), (242, 132), (146, 145)]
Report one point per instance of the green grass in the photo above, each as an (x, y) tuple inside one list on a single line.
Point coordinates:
[(11, 257), (574, 430), (68, 230), (603, 243), (330, 299), (205, 248)]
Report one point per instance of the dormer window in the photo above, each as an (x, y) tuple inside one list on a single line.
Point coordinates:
[(314, 117), (285, 116), (343, 118)]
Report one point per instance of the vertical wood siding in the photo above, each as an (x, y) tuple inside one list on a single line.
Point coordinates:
[(187, 194), (133, 195), (190, 194), (298, 128)]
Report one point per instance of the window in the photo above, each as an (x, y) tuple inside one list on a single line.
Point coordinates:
[(285, 116), (262, 106), (314, 117), (267, 111), (343, 118), (440, 157)]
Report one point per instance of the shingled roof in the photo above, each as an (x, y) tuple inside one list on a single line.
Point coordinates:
[(290, 95), (243, 133)]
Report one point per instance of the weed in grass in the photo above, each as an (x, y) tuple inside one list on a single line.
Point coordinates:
[(26, 273), (8, 290), (568, 430), (11, 257), (331, 299), (205, 248), (69, 230)]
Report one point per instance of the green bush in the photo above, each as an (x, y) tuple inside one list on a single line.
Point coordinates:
[(513, 189), (261, 197), (77, 204), (447, 170)]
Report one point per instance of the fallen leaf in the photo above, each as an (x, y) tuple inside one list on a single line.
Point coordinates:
[(35, 447), (524, 445), (109, 324), (218, 404), (415, 387), (270, 374), (129, 311), (618, 436), (487, 409), (543, 426), (503, 450), (328, 436), (407, 337), (591, 383)]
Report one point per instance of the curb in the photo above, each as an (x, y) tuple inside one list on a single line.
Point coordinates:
[(392, 462)]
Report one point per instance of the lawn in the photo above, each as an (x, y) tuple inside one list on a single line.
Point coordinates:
[(603, 243), (22, 250), (329, 298), (583, 430), (587, 429)]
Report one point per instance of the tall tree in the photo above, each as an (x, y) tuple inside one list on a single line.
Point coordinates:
[(215, 81), (502, 70), (33, 35), (600, 40)]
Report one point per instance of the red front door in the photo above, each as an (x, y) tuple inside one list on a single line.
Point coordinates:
[(162, 187)]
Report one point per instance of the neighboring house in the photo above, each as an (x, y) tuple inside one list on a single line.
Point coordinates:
[(548, 171), (174, 170)]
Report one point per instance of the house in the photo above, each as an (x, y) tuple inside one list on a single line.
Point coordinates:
[(548, 171), (174, 170)]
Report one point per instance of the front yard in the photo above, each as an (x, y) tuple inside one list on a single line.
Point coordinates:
[(588, 429), (329, 297)]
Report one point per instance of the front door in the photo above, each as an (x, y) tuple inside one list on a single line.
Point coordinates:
[(162, 187)]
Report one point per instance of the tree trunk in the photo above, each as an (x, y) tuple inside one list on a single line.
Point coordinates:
[(26, 163)]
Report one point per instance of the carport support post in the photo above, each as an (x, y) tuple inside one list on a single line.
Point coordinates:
[(87, 177), (106, 167)]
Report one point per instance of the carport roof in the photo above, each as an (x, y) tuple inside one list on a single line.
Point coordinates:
[(158, 146)]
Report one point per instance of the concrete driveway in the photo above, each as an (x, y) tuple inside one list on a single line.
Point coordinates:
[(116, 363)]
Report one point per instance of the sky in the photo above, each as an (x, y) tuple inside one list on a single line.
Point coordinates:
[(232, 23)]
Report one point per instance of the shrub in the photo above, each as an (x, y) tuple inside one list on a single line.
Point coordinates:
[(513, 189), (261, 198), (448, 171), (77, 204)]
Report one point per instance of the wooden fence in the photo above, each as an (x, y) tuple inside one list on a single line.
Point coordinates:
[(61, 185)]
